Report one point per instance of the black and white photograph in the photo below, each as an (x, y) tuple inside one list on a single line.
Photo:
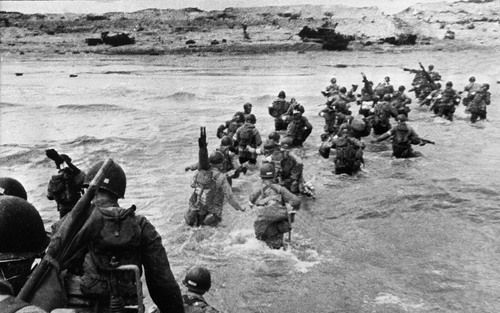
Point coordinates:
[(227, 156)]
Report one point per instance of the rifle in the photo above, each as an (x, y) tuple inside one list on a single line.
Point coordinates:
[(41, 287), (427, 75), (426, 141), (291, 217), (410, 70), (60, 159)]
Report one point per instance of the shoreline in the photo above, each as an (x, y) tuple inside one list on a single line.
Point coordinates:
[(258, 30)]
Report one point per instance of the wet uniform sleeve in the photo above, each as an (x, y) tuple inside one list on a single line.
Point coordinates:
[(258, 139), (307, 123), (290, 198), (254, 196), (161, 283), (414, 139)]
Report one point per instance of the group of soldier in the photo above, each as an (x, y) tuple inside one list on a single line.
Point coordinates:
[(281, 170), (99, 250), (93, 259)]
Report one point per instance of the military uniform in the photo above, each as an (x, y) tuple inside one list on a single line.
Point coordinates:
[(348, 156), (195, 303), (446, 106), (297, 131), (248, 135), (272, 216), (9, 304), (382, 112), (141, 246), (403, 137), (206, 202), (279, 107), (289, 169), (478, 105)]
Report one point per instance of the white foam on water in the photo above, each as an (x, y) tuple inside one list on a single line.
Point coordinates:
[(387, 298), (243, 242)]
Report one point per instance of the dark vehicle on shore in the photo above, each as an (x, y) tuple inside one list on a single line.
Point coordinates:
[(327, 36), (112, 39)]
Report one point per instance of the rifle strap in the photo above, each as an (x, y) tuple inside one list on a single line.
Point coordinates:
[(55, 264)]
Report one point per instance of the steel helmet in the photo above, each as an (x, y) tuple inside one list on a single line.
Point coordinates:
[(274, 136), (401, 88), (198, 279), (472, 79), (358, 124), (282, 95), (114, 182), (12, 187), (251, 119), (343, 90), (247, 105), (333, 80), (449, 84), (267, 170), (216, 157), (431, 67), (226, 141), (387, 78), (270, 144), (401, 118), (21, 229)]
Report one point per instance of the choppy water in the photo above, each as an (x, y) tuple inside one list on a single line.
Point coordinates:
[(404, 236)]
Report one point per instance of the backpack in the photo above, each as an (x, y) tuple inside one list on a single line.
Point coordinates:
[(348, 155), (227, 165), (401, 136), (204, 194), (246, 137), (116, 241)]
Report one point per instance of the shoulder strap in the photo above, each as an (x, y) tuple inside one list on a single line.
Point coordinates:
[(11, 305)]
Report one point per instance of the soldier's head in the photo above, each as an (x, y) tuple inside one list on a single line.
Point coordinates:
[(438, 85), (293, 101), (472, 79), (297, 114), (431, 67), (343, 90), (401, 88), (114, 183), (449, 84), (23, 239), (247, 108), (401, 118), (333, 80), (11, 187), (387, 79), (387, 97), (274, 136), (251, 119), (198, 280), (216, 159), (226, 141), (485, 86), (270, 147), (282, 94)]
